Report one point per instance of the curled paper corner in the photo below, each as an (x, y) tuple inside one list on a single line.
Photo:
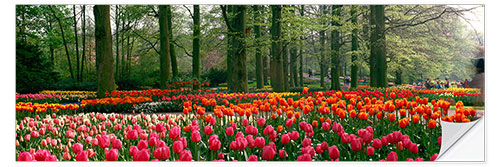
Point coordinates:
[(452, 133)]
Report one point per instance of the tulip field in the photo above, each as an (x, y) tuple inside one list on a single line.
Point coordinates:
[(206, 125)]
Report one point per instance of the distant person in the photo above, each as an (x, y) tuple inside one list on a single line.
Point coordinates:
[(310, 73), (428, 83), (466, 83), (447, 84)]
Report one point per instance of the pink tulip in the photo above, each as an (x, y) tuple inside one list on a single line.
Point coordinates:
[(356, 144), (259, 142), (104, 141), (252, 158), (295, 135), (282, 154), (433, 157), (143, 144), (51, 158), (306, 142), (25, 156), (220, 155), (392, 156), (333, 152), (117, 143), (413, 148), (285, 139), (229, 131), (195, 136), (304, 157), (307, 150), (369, 151), (77, 147), (152, 141), (178, 147), (261, 122), (132, 150), (377, 144), (186, 156), (245, 122), (214, 143), (82, 156), (40, 155), (111, 155), (142, 155), (208, 130), (268, 153), (289, 123), (162, 153), (132, 135)]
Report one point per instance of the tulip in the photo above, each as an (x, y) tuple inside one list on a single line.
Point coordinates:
[(356, 144), (268, 153), (220, 155), (25, 156), (51, 158), (117, 143), (333, 152), (132, 150), (112, 155), (439, 140), (143, 144), (306, 142), (245, 122), (294, 135), (162, 153), (377, 143), (152, 141), (66, 156), (229, 131), (208, 130), (178, 147), (261, 121), (195, 136), (214, 143), (103, 141), (304, 157), (289, 123), (40, 155), (142, 155), (392, 156), (259, 142), (77, 148), (282, 154), (307, 150), (285, 139), (433, 157), (252, 158), (82, 156), (186, 156), (370, 151), (132, 135)]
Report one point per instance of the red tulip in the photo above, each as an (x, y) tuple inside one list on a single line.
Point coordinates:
[(178, 147), (419, 159), (319, 150), (117, 143), (252, 158), (294, 135), (174, 133), (77, 147), (162, 153), (261, 122), (40, 155), (282, 154), (142, 155), (268, 153), (25, 156), (413, 148), (103, 141), (195, 136), (186, 156), (333, 152), (152, 141), (208, 130), (304, 157), (370, 150), (306, 142), (392, 156), (245, 122), (214, 143), (289, 123), (439, 140), (112, 155), (229, 131), (51, 158), (326, 126), (259, 142), (132, 150), (82, 156), (132, 135), (356, 144), (143, 144), (433, 157), (285, 139), (221, 156)]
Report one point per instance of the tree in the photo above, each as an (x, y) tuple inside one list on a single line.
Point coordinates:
[(196, 41), (354, 48), (104, 50), (64, 42), (164, 47), (277, 81), (259, 74), (83, 43), (76, 45), (322, 51), (378, 62), (117, 41), (335, 47), (173, 57), (301, 52)]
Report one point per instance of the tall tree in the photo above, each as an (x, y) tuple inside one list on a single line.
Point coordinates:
[(373, 53), (322, 51), (164, 47), (83, 42), (64, 41), (335, 47), (173, 57), (354, 47), (258, 50), (301, 52), (377, 42), (117, 41), (76, 45), (277, 81), (196, 41), (104, 50)]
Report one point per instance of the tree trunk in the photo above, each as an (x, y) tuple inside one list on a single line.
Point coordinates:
[(373, 54), (378, 45), (240, 75), (76, 46), (258, 52), (64, 42), (173, 57), (335, 47), (164, 47), (83, 42), (293, 66), (277, 81), (301, 66), (196, 41), (354, 48), (322, 51), (122, 62), (117, 41), (284, 52), (104, 50)]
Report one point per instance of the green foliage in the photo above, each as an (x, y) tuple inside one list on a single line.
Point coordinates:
[(73, 85), (215, 76), (33, 71), (129, 83)]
